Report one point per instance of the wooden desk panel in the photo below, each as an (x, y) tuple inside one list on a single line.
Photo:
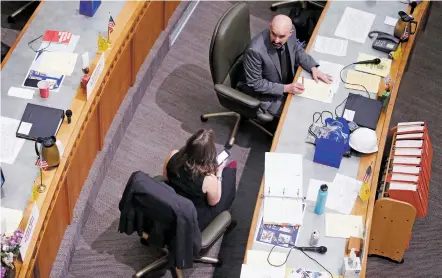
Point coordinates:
[(365, 209), (138, 26)]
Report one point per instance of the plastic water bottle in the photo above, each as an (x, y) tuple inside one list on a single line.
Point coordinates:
[(321, 200)]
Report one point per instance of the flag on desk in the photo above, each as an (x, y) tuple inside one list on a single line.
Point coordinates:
[(41, 163), (111, 24)]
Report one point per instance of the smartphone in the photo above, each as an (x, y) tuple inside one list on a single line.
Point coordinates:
[(222, 156)]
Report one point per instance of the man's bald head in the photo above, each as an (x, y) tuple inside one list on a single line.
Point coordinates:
[(280, 30)]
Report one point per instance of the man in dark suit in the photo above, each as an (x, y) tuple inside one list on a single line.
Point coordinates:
[(270, 62)]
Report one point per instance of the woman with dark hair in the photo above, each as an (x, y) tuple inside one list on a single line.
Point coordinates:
[(194, 173)]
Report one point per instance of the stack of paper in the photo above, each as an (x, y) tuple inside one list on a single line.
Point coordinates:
[(10, 219), (342, 192), (253, 271), (355, 25), (331, 46), (10, 144), (345, 226), (259, 258), (382, 69), (319, 91), (369, 81), (283, 189)]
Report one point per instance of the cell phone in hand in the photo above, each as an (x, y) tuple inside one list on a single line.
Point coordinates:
[(223, 156)]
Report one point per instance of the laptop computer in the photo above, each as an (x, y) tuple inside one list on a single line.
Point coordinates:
[(39, 121), (366, 110)]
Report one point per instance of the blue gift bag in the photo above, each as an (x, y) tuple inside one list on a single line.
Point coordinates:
[(88, 8)]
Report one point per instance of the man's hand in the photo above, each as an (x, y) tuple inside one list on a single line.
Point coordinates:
[(319, 75), (294, 88)]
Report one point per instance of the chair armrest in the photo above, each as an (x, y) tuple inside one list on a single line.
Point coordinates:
[(159, 178), (237, 96), (215, 229)]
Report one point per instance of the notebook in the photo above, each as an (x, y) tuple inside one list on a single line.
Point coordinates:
[(366, 110), (283, 189), (39, 121)]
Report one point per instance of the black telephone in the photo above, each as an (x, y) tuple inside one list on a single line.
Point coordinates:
[(384, 42)]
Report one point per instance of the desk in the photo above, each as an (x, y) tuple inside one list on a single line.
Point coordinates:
[(138, 25), (297, 117)]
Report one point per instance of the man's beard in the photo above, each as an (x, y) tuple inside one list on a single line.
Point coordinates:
[(277, 45)]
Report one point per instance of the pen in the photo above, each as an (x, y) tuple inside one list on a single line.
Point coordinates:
[(302, 80)]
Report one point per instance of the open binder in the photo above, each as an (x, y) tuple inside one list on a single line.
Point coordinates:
[(283, 202)]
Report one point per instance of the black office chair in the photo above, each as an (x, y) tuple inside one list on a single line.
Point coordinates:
[(229, 41), (220, 225)]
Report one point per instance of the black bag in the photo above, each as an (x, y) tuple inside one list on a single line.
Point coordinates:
[(305, 19)]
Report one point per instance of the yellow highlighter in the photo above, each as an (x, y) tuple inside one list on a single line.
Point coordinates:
[(364, 192)]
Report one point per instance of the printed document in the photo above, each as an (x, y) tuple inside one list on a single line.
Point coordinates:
[(21, 93), (259, 258), (334, 70), (11, 218), (57, 62), (345, 226), (355, 25), (369, 81), (253, 271), (10, 144), (342, 193), (316, 91), (331, 46), (382, 69)]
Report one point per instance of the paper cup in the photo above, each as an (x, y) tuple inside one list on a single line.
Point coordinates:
[(43, 86)]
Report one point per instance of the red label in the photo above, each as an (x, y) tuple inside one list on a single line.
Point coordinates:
[(57, 36)]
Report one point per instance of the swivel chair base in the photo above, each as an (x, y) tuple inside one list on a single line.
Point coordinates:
[(232, 137)]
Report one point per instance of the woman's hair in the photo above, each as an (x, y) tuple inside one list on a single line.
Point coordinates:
[(198, 156)]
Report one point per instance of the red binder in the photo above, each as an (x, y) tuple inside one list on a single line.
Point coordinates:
[(409, 174)]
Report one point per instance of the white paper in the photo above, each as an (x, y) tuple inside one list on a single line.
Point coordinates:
[(355, 25), (319, 91), (283, 174), (331, 46), (85, 58), (61, 47), (10, 144), (409, 143), (382, 69), (21, 93), (334, 70), (406, 169), (24, 128), (390, 21), (259, 258), (253, 271), (408, 151), (11, 219), (345, 226), (283, 211), (406, 160), (410, 128), (410, 136), (342, 193), (60, 147), (29, 231), (94, 76), (349, 115), (57, 62)]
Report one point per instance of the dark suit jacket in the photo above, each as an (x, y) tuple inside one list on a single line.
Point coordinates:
[(168, 218), (263, 69)]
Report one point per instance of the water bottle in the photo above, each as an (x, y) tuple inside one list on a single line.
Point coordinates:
[(322, 198)]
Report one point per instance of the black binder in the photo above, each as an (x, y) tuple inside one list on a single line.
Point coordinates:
[(367, 110), (46, 121)]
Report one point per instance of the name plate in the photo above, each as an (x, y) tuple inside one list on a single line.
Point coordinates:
[(29, 231), (95, 75)]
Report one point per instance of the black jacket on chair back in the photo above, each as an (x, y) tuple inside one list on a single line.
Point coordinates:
[(169, 219)]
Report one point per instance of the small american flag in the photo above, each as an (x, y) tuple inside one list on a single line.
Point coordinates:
[(367, 174), (111, 24), (41, 163)]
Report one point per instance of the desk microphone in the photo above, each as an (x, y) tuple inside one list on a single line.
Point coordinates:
[(68, 115), (320, 249), (376, 61)]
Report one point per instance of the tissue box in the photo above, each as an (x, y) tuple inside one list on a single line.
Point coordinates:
[(351, 271)]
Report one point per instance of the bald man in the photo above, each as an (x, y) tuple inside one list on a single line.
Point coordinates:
[(270, 62)]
